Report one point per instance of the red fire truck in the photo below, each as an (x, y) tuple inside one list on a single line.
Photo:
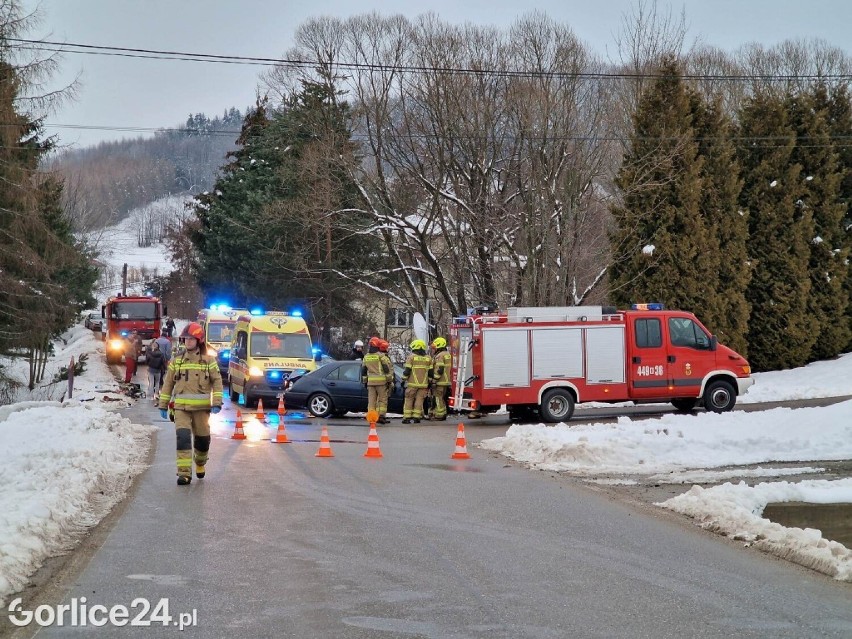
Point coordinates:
[(548, 359), (124, 314)]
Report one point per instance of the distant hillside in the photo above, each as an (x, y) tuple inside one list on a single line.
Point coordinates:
[(105, 182)]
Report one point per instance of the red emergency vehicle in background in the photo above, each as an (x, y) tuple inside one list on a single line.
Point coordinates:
[(548, 359), (124, 314)]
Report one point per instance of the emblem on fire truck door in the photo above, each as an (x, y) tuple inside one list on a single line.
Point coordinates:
[(688, 368)]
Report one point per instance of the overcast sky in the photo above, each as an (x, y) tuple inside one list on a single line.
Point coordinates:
[(120, 92)]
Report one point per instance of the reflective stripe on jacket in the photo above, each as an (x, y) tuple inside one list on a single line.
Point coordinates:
[(418, 370), (443, 364), (373, 371), (193, 382)]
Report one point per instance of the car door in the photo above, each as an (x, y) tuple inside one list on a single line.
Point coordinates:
[(689, 355), (347, 391)]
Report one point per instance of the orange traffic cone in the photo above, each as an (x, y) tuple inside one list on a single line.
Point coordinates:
[(281, 409), (325, 444), (238, 427), (461, 445), (281, 436), (260, 416), (373, 449)]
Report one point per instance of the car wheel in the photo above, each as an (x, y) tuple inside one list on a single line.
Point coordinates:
[(557, 405), (320, 405), (719, 396), (684, 405)]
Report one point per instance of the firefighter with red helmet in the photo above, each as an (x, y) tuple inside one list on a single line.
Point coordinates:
[(416, 376), (386, 361), (374, 374), (194, 387)]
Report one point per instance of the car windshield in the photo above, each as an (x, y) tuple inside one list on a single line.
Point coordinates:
[(94, 316), (281, 345), (220, 331), (134, 310)]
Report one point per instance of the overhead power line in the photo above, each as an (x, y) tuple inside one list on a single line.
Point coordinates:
[(157, 54)]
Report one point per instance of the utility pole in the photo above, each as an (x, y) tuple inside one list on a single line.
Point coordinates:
[(124, 280)]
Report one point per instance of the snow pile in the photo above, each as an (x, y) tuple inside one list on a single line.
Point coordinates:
[(831, 378), (735, 511), (681, 442), (62, 468), (96, 383)]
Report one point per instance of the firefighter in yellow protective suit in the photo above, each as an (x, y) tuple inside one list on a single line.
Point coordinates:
[(194, 384), (416, 377), (374, 375), (442, 364), (391, 382)]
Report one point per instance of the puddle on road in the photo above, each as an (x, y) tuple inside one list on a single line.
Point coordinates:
[(833, 520)]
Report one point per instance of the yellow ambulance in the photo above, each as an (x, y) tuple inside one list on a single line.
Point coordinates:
[(267, 349), (218, 322)]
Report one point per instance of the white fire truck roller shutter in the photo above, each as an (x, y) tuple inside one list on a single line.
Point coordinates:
[(557, 353), (506, 358), (605, 354)]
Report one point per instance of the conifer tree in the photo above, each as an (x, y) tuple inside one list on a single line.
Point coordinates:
[(840, 125), (661, 179), (781, 333), (726, 220), (821, 178)]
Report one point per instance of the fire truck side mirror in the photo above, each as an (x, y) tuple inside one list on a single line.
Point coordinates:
[(714, 342), (103, 311)]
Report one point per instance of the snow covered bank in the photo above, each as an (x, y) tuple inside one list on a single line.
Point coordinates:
[(735, 511), (676, 443), (831, 378), (62, 468)]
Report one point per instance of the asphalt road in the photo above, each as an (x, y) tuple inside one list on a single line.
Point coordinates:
[(276, 542)]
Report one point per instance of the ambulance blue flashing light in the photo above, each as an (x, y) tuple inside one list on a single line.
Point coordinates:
[(296, 313), (274, 374), (315, 351), (257, 311), (653, 306), (226, 354)]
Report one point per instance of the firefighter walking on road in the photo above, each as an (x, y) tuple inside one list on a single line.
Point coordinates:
[(442, 364), (416, 377), (374, 375), (194, 384)]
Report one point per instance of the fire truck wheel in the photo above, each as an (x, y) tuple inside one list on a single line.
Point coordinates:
[(557, 405), (719, 396), (684, 405)]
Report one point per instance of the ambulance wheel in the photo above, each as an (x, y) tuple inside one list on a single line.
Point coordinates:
[(235, 396), (557, 405), (719, 396), (684, 405), (320, 405)]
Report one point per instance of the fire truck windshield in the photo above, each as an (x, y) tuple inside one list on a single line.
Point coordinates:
[(134, 310)]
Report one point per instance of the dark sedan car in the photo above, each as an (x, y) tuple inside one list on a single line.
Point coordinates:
[(335, 389)]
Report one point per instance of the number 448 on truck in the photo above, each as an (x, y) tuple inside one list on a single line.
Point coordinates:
[(548, 359)]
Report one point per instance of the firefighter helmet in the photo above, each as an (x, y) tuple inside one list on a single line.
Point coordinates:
[(439, 342), (358, 343), (375, 342), (418, 344), (383, 346), (194, 330)]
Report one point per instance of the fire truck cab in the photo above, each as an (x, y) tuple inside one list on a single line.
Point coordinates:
[(548, 359), (124, 314)]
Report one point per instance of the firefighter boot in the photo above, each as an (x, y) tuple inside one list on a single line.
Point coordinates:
[(199, 470), (407, 420), (183, 480)]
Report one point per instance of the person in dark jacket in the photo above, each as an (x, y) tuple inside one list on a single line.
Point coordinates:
[(357, 350), (156, 362), (170, 327)]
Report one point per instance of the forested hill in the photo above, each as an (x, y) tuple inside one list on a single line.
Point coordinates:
[(104, 182)]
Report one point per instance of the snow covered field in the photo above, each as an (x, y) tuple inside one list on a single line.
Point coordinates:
[(691, 448), (63, 465)]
